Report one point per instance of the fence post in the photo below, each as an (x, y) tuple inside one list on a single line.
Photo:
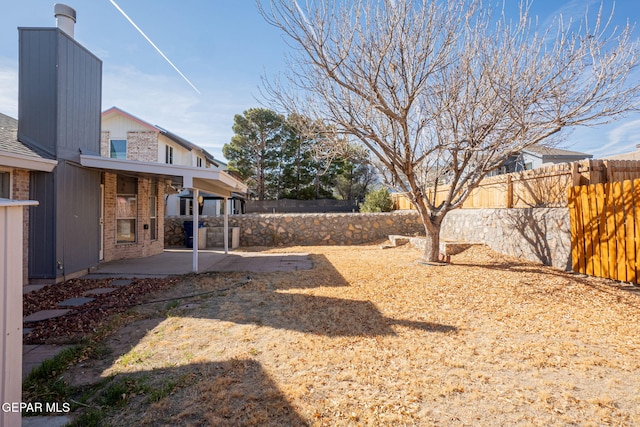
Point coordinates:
[(11, 257), (509, 195), (575, 173)]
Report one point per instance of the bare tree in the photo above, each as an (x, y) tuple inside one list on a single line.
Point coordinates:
[(444, 92)]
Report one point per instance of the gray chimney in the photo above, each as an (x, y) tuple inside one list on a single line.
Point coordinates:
[(65, 18)]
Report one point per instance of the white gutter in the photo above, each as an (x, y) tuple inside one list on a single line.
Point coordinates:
[(20, 161)]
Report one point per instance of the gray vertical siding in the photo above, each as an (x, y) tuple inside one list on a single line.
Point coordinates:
[(37, 104), (78, 217), (79, 100), (59, 110), (42, 236)]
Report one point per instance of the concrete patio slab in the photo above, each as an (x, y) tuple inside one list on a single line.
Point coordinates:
[(45, 314), (99, 291), (75, 302), (180, 261), (263, 263)]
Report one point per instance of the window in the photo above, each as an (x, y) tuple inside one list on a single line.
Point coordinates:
[(168, 155), (186, 207), (199, 162), (5, 185), (153, 212), (118, 149), (126, 209)]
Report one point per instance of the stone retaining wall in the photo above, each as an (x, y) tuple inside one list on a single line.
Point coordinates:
[(537, 234), (306, 229)]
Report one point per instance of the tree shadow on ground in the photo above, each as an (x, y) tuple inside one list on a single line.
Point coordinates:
[(271, 300), (308, 314), (237, 392)]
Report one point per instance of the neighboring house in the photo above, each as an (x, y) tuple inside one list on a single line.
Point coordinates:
[(91, 208), (633, 155), (537, 156)]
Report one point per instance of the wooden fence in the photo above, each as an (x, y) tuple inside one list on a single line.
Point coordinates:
[(544, 187), (605, 238)]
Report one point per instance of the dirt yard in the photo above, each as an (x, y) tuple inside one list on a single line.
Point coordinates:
[(369, 337)]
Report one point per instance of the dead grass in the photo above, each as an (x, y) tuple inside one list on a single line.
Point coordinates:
[(369, 337)]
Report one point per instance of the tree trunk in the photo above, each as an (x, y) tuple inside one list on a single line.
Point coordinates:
[(432, 242), (432, 227)]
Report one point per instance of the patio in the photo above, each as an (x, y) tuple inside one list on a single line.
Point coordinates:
[(180, 261)]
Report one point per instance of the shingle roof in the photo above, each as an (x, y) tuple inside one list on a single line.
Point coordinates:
[(9, 140), (552, 151)]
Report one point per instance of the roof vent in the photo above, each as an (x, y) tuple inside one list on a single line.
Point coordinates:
[(65, 18)]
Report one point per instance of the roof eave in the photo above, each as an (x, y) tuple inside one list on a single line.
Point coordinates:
[(19, 161)]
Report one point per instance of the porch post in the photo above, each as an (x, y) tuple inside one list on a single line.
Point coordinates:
[(196, 218), (226, 225)]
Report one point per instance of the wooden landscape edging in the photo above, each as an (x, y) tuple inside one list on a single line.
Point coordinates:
[(605, 234)]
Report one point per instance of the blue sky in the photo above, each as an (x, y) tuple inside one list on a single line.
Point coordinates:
[(223, 47)]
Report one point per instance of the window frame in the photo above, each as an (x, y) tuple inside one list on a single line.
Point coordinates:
[(153, 212), (168, 154), (9, 188), (118, 154), (130, 198)]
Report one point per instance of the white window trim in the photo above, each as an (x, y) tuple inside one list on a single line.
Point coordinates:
[(10, 172), (126, 147)]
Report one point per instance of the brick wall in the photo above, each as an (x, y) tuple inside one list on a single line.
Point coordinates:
[(142, 146), (144, 246), (20, 191), (105, 149)]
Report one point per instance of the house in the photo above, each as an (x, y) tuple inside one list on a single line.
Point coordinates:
[(92, 208), (125, 136), (537, 156)]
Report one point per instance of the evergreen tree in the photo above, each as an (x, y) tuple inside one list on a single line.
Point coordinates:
[(253, 150)]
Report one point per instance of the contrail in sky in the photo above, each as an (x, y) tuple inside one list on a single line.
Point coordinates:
[(154, 46)]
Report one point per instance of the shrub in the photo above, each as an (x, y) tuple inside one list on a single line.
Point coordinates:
[(377, 201)]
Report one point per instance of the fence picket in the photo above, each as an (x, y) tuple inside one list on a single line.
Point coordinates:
[(630, 253), (575, 227), (602, 231), (620, 238), (611, 231), (593, 224), (587, 225)]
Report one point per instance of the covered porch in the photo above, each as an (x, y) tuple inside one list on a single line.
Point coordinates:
[(178, 177)]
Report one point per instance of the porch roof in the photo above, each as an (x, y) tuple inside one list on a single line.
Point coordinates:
[(205, 179)]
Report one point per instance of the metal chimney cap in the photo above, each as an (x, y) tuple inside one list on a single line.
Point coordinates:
[(60, 9)]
